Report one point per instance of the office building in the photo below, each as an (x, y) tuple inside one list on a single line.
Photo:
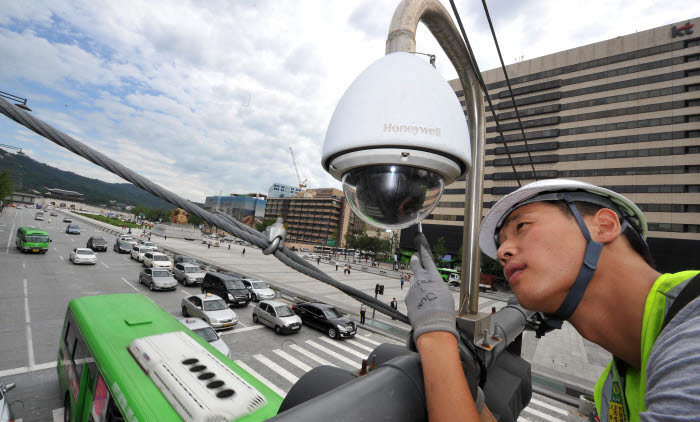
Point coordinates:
[(623, 114), (279, 190), (244, 208)]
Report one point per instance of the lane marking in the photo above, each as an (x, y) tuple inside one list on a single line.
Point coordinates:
[(311, 355), (542, 415), (357, 344), (9, 240), (549, 406), (186, 292), (24, 369), (61, 258), (58, 415), (54, 248), (27, 321), (260, 378), (126, 259), (240, 330), (338, 356), (23, 265), (365, 339), (294, 361), (104, 264), (132, 286), (275, 367), (346, 348), (521, 419)]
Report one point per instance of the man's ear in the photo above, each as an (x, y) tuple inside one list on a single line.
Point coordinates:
[(607, 225)]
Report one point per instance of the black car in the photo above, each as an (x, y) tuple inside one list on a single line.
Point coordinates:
[(54, 214), (121, 247), (97, 243), (326, 318), (186, 260), (228, 287)]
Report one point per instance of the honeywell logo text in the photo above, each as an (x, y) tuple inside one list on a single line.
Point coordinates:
[(415, 130)]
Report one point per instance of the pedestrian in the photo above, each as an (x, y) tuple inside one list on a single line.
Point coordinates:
[(345, 269), (229, 246), (349, 268), (363, 311), (243, 252), (165, 237), (395, 305), (336, 265), (208, 245), (402, 281), (575, 251), (318, 261)]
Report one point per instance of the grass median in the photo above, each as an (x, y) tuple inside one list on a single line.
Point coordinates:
[(109, 220)]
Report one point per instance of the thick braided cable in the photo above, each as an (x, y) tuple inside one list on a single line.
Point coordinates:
[(219, 220)]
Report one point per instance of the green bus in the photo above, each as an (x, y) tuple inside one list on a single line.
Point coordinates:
[(30, 239), (449, 275), (123, 358)]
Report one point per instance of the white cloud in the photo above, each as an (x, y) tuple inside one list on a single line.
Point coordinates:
[(208, 96)]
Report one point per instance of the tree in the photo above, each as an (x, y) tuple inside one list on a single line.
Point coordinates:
[(261, 226), (490, 266), (439, 250), (6, 187)]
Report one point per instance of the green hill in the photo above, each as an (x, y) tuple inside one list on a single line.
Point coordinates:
[(36, 176)]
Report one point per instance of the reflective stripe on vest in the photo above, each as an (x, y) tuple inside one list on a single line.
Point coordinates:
[(661, 296)]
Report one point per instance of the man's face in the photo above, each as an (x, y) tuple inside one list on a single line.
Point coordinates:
[(541, 250)]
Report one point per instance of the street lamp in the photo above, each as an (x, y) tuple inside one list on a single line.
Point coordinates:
[(20, 102)]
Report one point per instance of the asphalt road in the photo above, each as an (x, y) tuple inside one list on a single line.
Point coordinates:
[(35, 290)]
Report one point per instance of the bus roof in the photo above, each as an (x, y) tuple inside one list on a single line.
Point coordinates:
[(32, 230), (448, 270), (109, 323)]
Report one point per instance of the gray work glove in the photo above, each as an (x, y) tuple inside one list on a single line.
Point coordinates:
[(430, 304)]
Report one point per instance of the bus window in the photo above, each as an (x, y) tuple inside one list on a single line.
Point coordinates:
[(103, 407)]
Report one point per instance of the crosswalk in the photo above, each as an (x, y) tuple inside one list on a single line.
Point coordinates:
[(280, 368)]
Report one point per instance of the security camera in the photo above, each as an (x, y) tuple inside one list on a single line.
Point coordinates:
[(396, 138)]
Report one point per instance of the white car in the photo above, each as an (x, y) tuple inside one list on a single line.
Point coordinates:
[(259, 290), (157, 260), (128, 239), (211, 308), (205, 331), (137, 252), (83, 256), (148, 244)]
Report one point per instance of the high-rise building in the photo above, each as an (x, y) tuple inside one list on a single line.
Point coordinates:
[(279, 190), (623, 114), (241, 207)]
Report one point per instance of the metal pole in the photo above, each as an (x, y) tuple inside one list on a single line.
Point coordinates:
[(402, 37)]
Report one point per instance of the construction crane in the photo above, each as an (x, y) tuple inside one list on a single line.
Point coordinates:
[(302, 185)]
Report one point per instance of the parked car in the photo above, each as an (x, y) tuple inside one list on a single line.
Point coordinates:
[(72, 229), (67, 219), (54, 214), (158, 279), (188, 274), (138, 252), (5, 410), (205, 331), (147, 244), (156, 259), (97, 243), (39, 216), (228, 287), (83, 256), (325, 318), (259, 290), (121, 247), (278, 316), (128, 239), (185, 260), (210, 308)]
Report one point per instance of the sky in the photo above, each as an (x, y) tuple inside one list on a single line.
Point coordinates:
[(207, 97)]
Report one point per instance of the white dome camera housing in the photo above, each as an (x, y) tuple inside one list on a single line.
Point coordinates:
[(396, 138)]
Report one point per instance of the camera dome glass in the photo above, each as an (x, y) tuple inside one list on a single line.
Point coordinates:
[(392, 197)]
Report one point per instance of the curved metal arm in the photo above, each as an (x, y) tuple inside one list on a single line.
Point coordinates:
[(402, 37)]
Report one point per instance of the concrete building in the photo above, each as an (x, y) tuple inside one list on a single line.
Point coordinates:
[(622, 113), (279, 190), (241, 207)]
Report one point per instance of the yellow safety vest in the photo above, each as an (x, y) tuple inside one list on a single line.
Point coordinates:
[(620, 397)]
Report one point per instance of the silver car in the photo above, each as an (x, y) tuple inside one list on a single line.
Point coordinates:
[(259, 290), (278, 316), (188, 274), (210, 308), (205, 331), (137, 252), (151, 245), (158, 279), (83, 256), (5, 411)]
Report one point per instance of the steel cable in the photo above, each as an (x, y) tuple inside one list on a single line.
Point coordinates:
[(220, 220)]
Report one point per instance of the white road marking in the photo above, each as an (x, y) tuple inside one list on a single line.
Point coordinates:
[(542, 415), (30, 344), (126, 259), (24, 265), (185, 292), (549, 406), (57, 415), (240, 330), (132, 286), (9, 240), (311, 355), (334, 354), (61, 258), (294, 361), (54, 248), (365, 339), (521, 419), (275, 367), (357, 344), (104, 264), (260, 378), (337, 344)]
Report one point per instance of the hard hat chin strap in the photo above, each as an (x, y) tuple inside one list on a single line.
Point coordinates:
[(585, 274)]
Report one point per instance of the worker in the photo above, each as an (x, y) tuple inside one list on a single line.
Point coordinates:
[(575, 252)]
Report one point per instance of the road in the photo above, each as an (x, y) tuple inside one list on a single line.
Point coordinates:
[(35, 290)]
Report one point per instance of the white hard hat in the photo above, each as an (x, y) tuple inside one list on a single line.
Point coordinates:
[(499, 212)]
